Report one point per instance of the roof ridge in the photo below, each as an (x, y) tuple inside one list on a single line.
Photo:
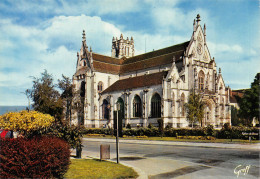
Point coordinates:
[(160, 49), (151, 57), (106, 56), (136, 82)]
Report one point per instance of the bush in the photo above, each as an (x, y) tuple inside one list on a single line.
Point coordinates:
[(168, 127), (224, 133), (236, 132), (197, 137), (128, 126), (209, 130), (105, 131), (150, 126), (71, 134), (25, 121), (39, 157)]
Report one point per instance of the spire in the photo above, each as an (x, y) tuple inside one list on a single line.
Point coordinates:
[(113, 39), (204, 31), (198, 19), (121, 36), (83, 36), (132, 38), (194, 26), (219, 70), (90, 49)]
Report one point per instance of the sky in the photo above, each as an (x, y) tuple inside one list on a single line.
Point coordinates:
[(46, 34)]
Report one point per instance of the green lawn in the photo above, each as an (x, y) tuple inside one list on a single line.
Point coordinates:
[(89, 168), (179, 140)]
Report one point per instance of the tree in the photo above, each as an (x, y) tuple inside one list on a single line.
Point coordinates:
[(234, 116), (195, 108), (66, 86), (249, 103), (45, 97)]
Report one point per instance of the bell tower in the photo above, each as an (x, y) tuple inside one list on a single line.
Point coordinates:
[(122, 47)]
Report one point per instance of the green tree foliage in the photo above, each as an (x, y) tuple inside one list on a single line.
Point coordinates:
[(249, 103), (45, 97), (195, 108), (66, 86), (234, 116)]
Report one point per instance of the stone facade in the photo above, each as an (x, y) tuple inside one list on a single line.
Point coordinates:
[(149, 86)]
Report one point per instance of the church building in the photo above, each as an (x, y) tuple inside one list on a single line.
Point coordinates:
[(150, 86)]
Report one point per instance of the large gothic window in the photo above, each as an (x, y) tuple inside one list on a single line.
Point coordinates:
[(156, 105), (105, 110), (173, 102), (82, 89), (201, 80), (100, 87), (137, 107), (182, 104)]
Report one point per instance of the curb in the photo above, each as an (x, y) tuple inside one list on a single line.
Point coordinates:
[(141, 174), (192, 144)]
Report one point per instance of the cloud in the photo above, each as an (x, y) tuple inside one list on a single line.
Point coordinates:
[(67, 7), (173, 18), (241, 73), (223, 52), (51, 46), (67, 30), (47, 34)]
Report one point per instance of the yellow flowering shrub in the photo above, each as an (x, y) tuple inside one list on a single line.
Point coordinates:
[(25, 121)]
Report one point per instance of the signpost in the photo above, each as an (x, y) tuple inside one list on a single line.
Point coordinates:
[(117, 108)]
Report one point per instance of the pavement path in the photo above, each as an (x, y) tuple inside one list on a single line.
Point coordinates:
[(162, 167)]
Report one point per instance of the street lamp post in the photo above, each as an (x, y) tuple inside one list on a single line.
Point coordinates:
[(117, 108)]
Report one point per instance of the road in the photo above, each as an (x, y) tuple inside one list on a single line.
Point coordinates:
[(169, 161)]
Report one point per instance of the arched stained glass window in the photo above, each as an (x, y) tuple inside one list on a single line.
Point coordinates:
[(137, 107), (156, 106)]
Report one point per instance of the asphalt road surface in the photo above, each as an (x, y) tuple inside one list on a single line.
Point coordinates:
[(165, 161)]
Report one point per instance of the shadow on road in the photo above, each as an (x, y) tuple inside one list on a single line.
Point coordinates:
[(179, 172)]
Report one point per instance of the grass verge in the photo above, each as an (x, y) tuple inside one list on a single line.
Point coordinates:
[(178, 140), (89, 168)]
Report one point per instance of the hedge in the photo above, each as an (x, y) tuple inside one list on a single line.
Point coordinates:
[(224, 133), (237, 133), (39, 157)]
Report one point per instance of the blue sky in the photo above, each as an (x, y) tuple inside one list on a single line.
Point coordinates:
[(38, 35)]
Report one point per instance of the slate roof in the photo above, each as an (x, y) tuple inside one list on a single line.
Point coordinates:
[(155, 58), (137, 82)]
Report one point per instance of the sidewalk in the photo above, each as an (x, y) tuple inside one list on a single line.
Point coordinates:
[(255, 146), (161, 167)]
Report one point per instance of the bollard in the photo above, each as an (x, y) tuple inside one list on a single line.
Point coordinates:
[(104, 152)]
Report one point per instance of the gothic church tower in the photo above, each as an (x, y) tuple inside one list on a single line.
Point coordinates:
[(122, 48)]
